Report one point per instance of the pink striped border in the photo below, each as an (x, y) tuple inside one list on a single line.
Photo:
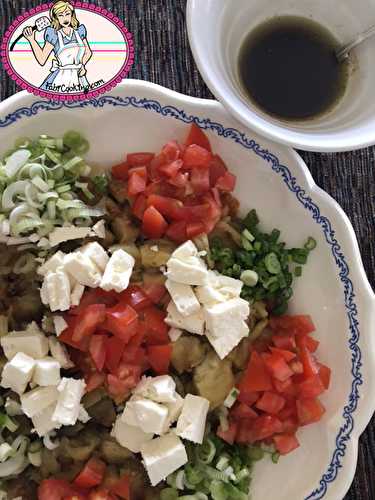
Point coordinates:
[(66, 97)]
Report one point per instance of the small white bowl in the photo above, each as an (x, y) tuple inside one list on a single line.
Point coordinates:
[(140, 116), (217, 29)]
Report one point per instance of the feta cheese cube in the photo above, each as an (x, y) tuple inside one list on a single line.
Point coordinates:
[(52, 264), (225, 323), (59, 352), (174, 411), (62, 234), (55, 290), (230, 287), (37, 400), (60, 324), (160, 389), (118, 271), (162, 456), (76, 295), (82, 269), (207, 294), (97, 254), (192, 421), (69, 401), (130, 437), (174, 334), (151, 416), (99, 229), (18, 372), (183, 296), (193, 323), (47, 372), (186, 250), (83, 416), (43, 423), (128, 415), (33, 344), (192, 271)]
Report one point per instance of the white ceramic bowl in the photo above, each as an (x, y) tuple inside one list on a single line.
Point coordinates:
[(217, 29), (273, 179)]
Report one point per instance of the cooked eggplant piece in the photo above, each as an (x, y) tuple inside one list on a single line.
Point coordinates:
[(156, 253), (112, 452), (188, 352), (124, 229)]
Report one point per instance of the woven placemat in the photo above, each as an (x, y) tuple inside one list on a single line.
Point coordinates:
[(163, 56)]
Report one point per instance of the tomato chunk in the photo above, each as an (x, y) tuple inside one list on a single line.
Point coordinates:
[(114, 351), (139, 206), (198, 137), (287, 342), (170, 208), (159, 357), (194, 229), (242, 411), (230, 434), (97, 349), (200, 180), (285, 443), (88, 321), (177, 232), (157, 329), (139, 159), (137, 180), (287, 355), (226, 182), (217, 169), (309, 410), (311, 387), (270, 403), (122, 487), (277, 366), (92, 474), (325, 375), (154, 292), (171, 169), (256, 377), (122, 321), (54, 489), (310, 366), (196, 156), (120, 172), (154, 225), (136, 298)]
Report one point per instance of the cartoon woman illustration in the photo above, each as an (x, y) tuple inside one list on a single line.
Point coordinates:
[(68, 40)]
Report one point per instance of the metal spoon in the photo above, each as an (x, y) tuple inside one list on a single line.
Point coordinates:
[(343, 52)]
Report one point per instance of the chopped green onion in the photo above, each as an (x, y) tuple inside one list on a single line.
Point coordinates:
[(205, 452), (101, 183), (64, 188), (272, 263), (246, 243), (40, 184), (275, 457), (231, 398), (54, 157), (7, 422), (298, 271), (169, 494), (222, 463), (6, 451), (246, 234), (310, 244), (83, 186), (76, 160), (249, 277)]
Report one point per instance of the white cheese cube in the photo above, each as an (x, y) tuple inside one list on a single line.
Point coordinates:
[(33, 344), (186, 250), (97, 254), (128, 415), (192, 271), (37, 400), (130, 437), (230, 287), (224, 344), (55, 290), (193, 323), (162, 456), (160, 389), (183, 296), (69, 401), (59, 352), (62, 234), (208, 294), (18, 372), (83, 416), (82, 269), (52, 264), (174, 411), (76, 295), (98, 229), (151, 416), (118, 271), (192, 421), (43, 422), (60, 324), (174, 334), (47, 372)]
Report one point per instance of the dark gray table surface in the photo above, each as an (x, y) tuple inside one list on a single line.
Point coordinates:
[(163, 56)]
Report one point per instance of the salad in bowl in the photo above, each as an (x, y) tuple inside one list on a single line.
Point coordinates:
[(147, 346)]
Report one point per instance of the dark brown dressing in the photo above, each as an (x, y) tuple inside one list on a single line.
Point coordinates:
[(288, 68)]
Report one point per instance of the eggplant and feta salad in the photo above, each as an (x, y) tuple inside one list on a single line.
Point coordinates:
[(146, 349)]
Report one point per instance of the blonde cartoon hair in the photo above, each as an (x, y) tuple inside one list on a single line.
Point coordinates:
[(59, 7)]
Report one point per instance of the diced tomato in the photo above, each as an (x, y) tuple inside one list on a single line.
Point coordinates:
[(287, 355), (88, 321), (177, 232), (114, 351), (122, 321), (196, 156), (271, 403), (310, 366), (258, 429), (248, 397), (256, 377), (287, 342), (242, 411), (296, 367), (139, 159), (325, 375), (227, 182), (122, 487), (154, 292), (126, 378), (198, 137), (97, 349), (92, 474), (101, 494), (200, 180), (286, 388), (67, 336), (76, 496), (285, 443), (94, 380), (159, 357), (170, 208), (120, 172), (154, 225), (308, 342), (277, 366), (94, 296), (135, 297), (311, 387), (290, 425), (297, 325), (136, 356), (230, 434), (157, 329), (309, 410), (171, 151), (217, 169), (137, 180), (171, 169), (54, 489), (180, 180), (193, 229), (139, 206)]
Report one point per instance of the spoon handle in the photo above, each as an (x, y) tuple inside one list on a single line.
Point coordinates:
[(342, 53)]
